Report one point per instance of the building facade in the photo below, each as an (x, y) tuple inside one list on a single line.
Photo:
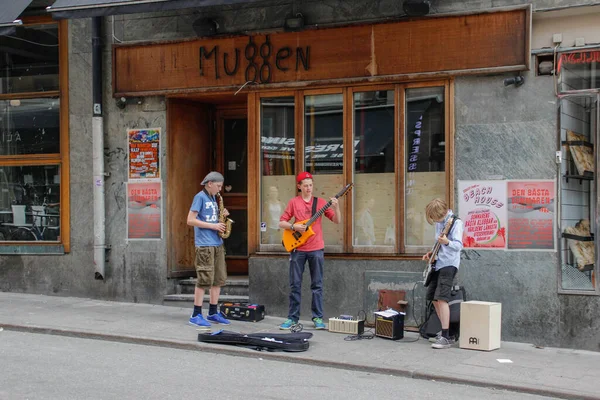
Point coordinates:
[(474, 95)]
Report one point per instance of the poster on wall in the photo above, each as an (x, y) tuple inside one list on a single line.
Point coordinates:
[(144, 210), (144, 153), (531, 210), (482, 208)]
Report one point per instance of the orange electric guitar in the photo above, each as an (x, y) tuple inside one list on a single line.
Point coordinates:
[(294, 239)]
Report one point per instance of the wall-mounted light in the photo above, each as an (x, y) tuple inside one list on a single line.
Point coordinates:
[(517, 81), (205, 27), (416, 8), (122, 102), (293, 24)]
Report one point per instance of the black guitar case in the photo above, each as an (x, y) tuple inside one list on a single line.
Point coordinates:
[(291, 342)]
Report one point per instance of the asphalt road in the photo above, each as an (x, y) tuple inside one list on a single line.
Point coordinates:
[(37, 366)]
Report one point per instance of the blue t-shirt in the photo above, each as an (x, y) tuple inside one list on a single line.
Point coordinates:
[(208, 211)]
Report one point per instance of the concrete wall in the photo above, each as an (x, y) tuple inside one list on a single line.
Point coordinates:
[(499, 131)]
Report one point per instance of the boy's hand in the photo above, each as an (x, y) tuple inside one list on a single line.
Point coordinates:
[(443, 240), (220, 227), (427, 256), (300, 228)]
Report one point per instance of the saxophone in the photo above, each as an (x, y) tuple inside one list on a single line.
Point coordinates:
[(223, 219)]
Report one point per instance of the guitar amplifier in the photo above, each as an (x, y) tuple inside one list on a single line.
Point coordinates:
[(390, 327), (350, 326), (243, 311)]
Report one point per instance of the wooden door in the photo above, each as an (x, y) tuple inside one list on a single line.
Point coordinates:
[(189, 159), (232, 160)]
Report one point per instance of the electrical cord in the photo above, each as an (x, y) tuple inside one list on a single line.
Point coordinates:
[(367, 335)]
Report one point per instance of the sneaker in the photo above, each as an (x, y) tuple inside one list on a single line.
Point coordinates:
[(218, 318), (319, 324), (442, 343), (287, 324), (199, 320), (436, 337)]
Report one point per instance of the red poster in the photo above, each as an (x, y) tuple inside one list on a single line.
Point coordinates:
[(531, 206), (144, 210), (144, 153)]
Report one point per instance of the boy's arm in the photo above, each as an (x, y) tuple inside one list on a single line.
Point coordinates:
[(192, 220), (455, 236)]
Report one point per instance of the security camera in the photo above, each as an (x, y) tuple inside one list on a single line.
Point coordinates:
[(517, 81)]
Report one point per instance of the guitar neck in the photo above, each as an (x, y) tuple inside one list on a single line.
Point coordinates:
[(318, 213)]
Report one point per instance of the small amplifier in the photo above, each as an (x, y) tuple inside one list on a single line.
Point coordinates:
[(390, 327), (345, 325), (243, 311)]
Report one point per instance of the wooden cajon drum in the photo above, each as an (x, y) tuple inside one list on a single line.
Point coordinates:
[(480, 324)]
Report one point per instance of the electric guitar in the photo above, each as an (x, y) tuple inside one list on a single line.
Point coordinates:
[(294, 239), (435, 250)]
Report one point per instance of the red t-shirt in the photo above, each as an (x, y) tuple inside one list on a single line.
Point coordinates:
[(301, 210)]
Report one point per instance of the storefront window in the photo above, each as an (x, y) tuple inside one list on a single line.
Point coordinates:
[(29, 126), (29, 60), (353, 135), (277, 162), (579, 71), (323, 154), (30, 136), (374, 178), (425, 145), (579, 194), (30, 203)]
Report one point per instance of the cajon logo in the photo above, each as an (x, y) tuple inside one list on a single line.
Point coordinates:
[(473, 340)]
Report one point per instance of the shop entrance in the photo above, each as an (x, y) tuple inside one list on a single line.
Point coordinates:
[(204, 134)]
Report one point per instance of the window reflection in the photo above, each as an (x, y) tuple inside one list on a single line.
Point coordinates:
[(29, 203), (425, 155), (277, 155), (374, 191), (29, 59), (29, 126)]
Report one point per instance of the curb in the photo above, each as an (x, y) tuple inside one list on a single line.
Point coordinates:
[(249, 353)]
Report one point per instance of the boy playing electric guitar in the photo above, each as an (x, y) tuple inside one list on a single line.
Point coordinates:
[(446, 265), (300, 208)]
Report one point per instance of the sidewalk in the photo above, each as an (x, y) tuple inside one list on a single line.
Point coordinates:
[(563, 373)]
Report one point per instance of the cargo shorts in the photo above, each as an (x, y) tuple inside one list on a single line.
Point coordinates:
[(440, 287), (211, 269)]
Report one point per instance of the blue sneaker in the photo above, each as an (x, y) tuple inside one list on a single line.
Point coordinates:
[(218, 318), (319, 324), (199, 320), (287, 324)]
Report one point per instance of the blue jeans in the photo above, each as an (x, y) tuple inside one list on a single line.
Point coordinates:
[(315, 264)]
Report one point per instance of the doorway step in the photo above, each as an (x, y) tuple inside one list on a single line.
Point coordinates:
[(235, 290)]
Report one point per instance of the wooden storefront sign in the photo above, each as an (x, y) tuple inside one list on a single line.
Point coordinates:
[(457, 44)]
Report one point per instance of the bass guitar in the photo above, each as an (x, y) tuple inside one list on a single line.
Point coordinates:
[(294, 239), (435, 250)]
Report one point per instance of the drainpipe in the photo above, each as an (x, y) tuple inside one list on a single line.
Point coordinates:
[(98, 151)]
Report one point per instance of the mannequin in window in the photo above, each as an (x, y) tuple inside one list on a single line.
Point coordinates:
[(272, 210), (365, 226)]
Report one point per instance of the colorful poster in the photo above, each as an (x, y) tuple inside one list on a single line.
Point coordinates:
[(531, 206), (144, 210), (144, 153), (482, 208)]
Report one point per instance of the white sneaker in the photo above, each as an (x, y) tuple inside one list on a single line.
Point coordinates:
[(442, 343)]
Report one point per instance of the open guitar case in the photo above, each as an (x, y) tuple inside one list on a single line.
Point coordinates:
[(290, 342)]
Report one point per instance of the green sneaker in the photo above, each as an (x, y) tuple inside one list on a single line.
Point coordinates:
[(319, 324), (287, 324)]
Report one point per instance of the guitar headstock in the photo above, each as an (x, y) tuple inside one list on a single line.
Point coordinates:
[(344, 191)]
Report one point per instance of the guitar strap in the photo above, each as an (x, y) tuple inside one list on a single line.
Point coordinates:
[(314, 206)]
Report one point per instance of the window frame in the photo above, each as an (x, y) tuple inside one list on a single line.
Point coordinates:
[(62, 158), (347, 91)]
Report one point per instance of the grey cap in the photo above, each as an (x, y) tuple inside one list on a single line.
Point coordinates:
[(213, 176)]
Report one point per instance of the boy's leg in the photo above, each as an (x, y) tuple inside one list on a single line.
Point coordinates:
[(316, 260), (219, 280), (441, 297), (297, 261)]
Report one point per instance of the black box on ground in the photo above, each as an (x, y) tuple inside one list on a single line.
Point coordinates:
[(243, 311)]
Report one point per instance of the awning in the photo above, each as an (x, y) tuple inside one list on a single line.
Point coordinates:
[(64, 9), (9, 13)]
